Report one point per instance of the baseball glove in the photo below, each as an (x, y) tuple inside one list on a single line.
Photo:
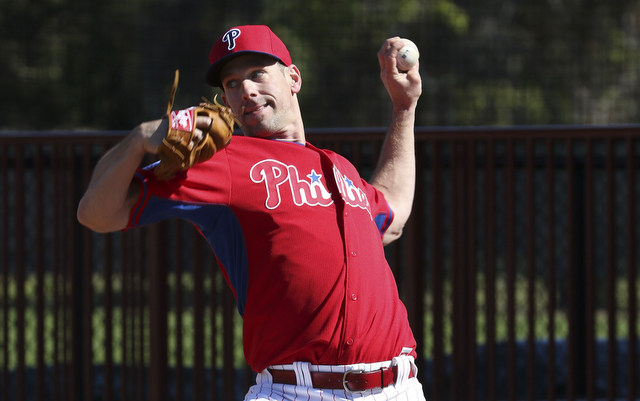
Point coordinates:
[(181, 147)]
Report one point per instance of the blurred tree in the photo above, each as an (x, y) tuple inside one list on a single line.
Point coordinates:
[(109, 65), (550, 62)]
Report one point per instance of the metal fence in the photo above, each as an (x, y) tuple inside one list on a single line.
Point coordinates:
[(519, 269)]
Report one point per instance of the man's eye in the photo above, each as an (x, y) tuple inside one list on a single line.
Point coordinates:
[(257, 74), (231, 84)]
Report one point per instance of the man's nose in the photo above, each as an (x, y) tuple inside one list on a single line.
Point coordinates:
[(248, 89)]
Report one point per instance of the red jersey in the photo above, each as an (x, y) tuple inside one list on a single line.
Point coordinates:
[(297, 234)]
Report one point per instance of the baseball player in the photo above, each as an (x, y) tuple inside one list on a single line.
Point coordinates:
[(297, 232)]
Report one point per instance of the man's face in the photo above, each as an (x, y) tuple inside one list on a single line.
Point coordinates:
[(261, 92)]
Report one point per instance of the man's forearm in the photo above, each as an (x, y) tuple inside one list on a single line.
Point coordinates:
[(106, 203), (395, 172)]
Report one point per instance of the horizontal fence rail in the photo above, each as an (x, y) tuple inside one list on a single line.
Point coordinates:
[(518, 267)]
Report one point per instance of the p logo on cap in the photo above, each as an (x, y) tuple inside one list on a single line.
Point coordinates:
[(230, 38), (242, 40)]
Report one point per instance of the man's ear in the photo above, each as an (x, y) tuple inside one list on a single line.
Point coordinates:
[(295, 78)]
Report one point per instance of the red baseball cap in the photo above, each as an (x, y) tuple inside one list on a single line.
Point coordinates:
[(241, 40)]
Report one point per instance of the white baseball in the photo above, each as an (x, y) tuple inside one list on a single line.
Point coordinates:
[(407, 56)]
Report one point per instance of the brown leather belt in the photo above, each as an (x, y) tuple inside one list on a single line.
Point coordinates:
[(350, 381)]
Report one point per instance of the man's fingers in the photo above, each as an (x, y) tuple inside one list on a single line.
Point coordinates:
[(198, 135), (203, 125), (388, 52), (203, 122)]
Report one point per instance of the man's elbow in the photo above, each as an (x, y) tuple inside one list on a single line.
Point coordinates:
[(88, 218), (391, 235), (82, 214), (397, 226)]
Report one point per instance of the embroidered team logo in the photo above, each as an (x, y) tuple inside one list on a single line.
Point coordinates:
[(305, 189), (230, 38), (183, 120)]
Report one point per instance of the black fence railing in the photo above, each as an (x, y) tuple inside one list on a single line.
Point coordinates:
[(519, 268)]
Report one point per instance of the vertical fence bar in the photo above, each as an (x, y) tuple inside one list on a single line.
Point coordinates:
[(471, 287), (150, 349), (70, 317), (214, 330), (419, 284), (632, 275), (490, 199), (136, 343), (72, 307), (464, 268), (57, 247), (39, 261), (5, 273), (73, 314), (611, 273), (436, 193), (412, 260), (141, 300), (126, 313), (73, 298), (229, 374), (142, 241), (458, 371), (158, 305), (178, 313), (109, 307), (551, 268), (198, 315), (531, 265), (509, 221), (19, 235), (58, 251), (571, 268), (85, 270), (589, 385)]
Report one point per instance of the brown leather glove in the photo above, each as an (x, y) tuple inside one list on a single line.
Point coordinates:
[(181, 148)]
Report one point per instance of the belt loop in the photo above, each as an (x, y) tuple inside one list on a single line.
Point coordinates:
[(303, 375), (403, 362), (414, 367), (264, 377)]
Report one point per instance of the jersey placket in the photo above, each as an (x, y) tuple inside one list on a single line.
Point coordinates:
[(352, 268), (353, 271)]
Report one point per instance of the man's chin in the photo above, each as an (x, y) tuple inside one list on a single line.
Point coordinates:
[(257, 132)]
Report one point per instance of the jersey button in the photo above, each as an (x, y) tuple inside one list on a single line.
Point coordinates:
[(354, 297), (354, 253), (350, 341)]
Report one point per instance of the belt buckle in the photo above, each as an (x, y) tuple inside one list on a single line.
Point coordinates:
[(345, 381)]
